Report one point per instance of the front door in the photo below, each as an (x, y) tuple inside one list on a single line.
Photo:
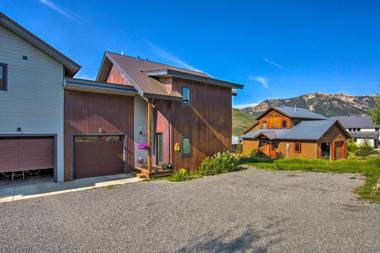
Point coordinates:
[(159, 149), (339, 150)]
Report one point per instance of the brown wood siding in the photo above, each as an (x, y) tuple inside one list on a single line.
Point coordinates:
[(249, 146), (332, 136), (308, 149), (86, 113), (207, 120), (273, 119), (115, 76)]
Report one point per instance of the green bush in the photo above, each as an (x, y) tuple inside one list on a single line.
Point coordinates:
[(365, 150), (352, 146), (219, 163), (183, 175)]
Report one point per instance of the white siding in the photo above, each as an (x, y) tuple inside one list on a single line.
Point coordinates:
[(370, 142), (140, 124), (367, 130), (34, 100)]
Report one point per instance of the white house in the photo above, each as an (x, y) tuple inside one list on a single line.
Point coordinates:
[(31, 101), (361, 129)]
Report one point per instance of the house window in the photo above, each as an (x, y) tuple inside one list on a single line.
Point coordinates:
[(186, 96), (186, 146), (298, 147), (3, 76), (264, 125), (284, 124)]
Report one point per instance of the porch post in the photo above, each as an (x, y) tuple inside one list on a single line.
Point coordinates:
[(149, 115)]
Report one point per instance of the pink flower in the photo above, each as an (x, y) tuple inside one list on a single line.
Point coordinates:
[(142, 146)]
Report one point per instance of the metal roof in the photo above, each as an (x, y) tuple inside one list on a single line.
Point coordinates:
[(305, 130), (295, 112), (71, 67), (355, 121), (76, 84), (141, 74), (365, 135)]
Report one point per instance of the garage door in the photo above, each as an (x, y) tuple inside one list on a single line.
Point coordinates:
[(26, 153), (98, 155)]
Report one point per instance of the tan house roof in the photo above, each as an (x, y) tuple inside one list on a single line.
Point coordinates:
[(141, 73)]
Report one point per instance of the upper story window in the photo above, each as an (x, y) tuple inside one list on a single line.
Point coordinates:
[(284, 124), (264, 125), (186, 95), (3, 76)]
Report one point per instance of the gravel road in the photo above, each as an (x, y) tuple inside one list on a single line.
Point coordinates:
[(246, 211)]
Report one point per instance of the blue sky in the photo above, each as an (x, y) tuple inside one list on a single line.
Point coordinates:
[(278, 49)]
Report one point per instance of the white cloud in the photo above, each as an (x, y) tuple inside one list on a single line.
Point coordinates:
[(85, 76), (172, 58), (260, 79), (273, 63), (58, 9), (245, 105)]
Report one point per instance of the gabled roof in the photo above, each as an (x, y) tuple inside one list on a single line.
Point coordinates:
[(71, 67), (305, 130), (294, 112), (141, 73), (355, 121)]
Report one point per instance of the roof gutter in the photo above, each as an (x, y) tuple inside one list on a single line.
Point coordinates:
[(75, 84), (183, 75)]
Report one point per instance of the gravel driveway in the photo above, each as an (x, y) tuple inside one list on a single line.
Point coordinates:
[(247, 211)]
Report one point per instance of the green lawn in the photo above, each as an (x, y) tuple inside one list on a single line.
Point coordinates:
[(370, 168), (241, 121)]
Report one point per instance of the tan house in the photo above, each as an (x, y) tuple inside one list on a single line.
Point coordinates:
[(287, 132)]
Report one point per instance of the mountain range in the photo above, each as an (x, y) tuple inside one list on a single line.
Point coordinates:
[(328, 105)]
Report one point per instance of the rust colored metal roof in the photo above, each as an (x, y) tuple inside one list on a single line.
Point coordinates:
[(137, 70)]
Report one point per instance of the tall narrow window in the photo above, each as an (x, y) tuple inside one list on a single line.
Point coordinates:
[(186, 96), (298, 147), (264, 125), (3, 76), (284, 124), (186, 146)]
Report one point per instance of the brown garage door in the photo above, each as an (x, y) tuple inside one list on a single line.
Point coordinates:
[(98, 155), (26, 153)]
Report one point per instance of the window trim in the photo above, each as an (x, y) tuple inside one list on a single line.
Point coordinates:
[(295, 147), (183, 100), (5, 76), (191, 146)]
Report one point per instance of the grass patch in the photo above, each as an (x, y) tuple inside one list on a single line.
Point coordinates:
[(183, 175), (370, 168)]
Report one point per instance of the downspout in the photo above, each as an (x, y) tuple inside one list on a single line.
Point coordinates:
[(149, 115)]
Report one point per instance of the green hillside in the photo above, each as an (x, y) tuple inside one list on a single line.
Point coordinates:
[(240, 121)]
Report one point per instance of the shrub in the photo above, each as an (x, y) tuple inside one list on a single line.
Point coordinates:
[(352, 146), (219, 163), (365, 150), (183, 175)]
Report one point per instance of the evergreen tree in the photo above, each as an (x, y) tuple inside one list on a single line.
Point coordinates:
[(375, 113)]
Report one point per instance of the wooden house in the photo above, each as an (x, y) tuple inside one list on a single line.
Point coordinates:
[(287, 132)]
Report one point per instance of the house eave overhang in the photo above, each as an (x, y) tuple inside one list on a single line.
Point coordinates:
[(83, 85), (71, 67), (183, 75)]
